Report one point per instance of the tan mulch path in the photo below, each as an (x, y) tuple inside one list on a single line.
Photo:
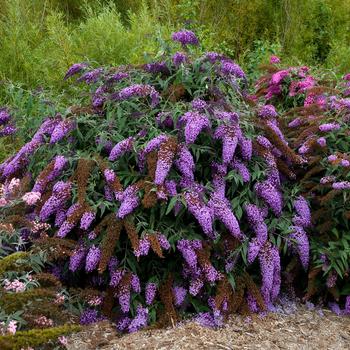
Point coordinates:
[(302, 329)]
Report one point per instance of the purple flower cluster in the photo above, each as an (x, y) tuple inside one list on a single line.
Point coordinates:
[(219, 172), (139, 90), (21, 159), (210, 319), (59, 164), (7, 128), (91, 76), (157, 67), (242, 169), (164, 120), (213, 57), (144, 247), (179, 58), (90, 316), (228, 134), (230, 68), (61, 193), (188, 250), (199, 105), (185, 37), (179, 294), (342, 185), (164, 163)]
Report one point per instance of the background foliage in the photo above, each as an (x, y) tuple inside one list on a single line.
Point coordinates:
[(41, 38)]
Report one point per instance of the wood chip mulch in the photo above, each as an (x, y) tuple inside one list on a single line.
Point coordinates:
[(301, 329)]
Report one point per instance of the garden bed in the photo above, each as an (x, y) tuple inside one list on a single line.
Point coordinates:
[(292, 327)]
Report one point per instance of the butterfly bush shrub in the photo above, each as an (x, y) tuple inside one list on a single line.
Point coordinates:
[(164, 181), (316, 114)]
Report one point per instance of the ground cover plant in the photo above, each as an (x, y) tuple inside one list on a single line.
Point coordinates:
[(35, 309), (169, 191)]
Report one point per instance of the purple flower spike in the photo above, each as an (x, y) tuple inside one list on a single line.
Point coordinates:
[(343, 185), (210, 320), (121, 148), (221, 208), (92, 258), (157, 67), (271, 195), (329, 127), (90, 316), (304, 215), (135, 283), (143, 249), (201, 212), (266, 260), (195, 123), (229, 134), (242, 169), (61, 130), (302, 242), (256, 222), (185, 163), (77, 258), (179, 295), (87, 219), (276, 286), (267, 111), (130, 201), (150, 292), (74, 69), (253, 249), (246, 147), (140, 320), (199, 105), (187, 250)]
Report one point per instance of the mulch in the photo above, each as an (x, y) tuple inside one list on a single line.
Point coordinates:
[(293, 327)]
